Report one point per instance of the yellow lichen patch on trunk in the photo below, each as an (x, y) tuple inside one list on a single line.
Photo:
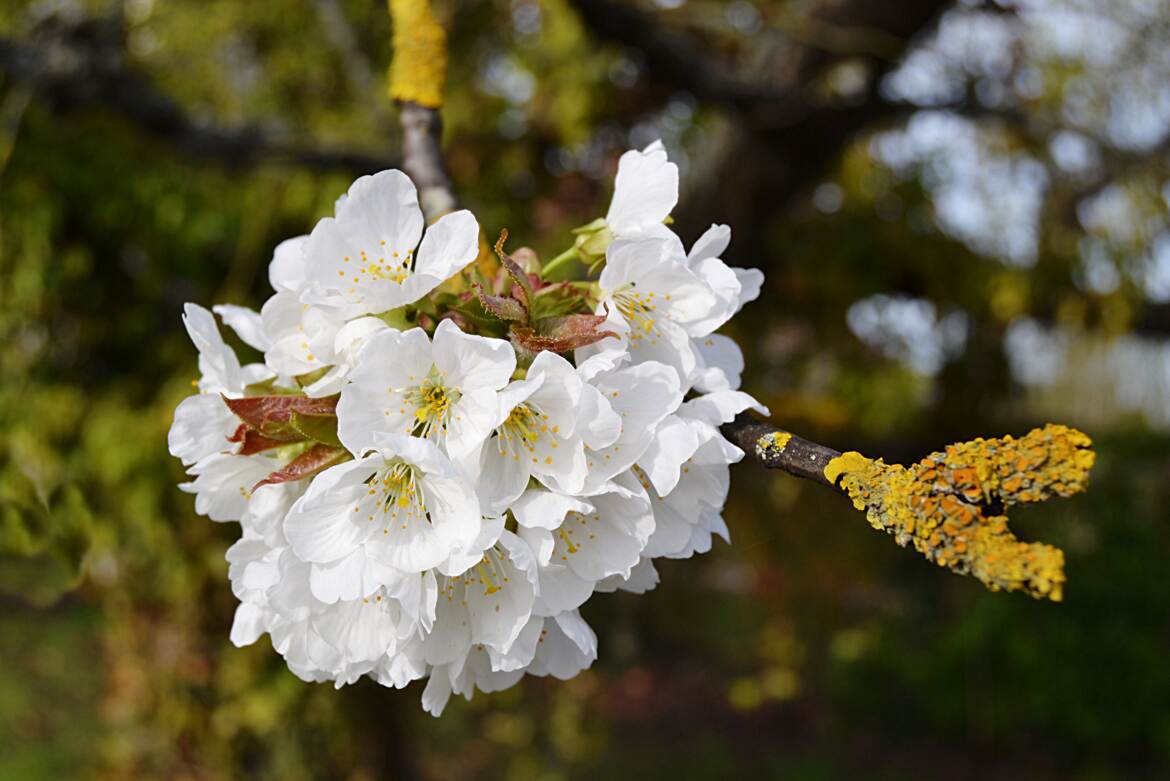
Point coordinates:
[(419, 64), (949, 504), (772, 443)]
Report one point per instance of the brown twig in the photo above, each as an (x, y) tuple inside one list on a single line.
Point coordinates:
[(775, 448), (422, 158), (417, 72)]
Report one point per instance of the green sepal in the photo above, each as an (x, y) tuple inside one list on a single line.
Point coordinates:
[(399, 319)]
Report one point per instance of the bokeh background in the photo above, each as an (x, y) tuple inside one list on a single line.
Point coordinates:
[(962, 212)]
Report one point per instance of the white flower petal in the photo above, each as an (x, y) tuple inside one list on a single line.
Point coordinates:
[(538, 509), (223, 484), (436, 694), (720, 364), (720, 407), (362, 630), (449, 245), (522, 651), (645, 192), (287, 269), (499, 595), (502, 477), (711, 244), (675, 441), (246, 323), (217, 362), (568, 647), (642, 578), (249, 623), (599, 425), (471, 422), (471, 362), (323, 526), (382, 207), (201, 427)]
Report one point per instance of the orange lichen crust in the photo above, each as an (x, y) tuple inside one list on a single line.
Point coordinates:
[(950, 505), (419, 64)]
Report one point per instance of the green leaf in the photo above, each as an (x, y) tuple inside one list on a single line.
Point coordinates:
[(320, 428)]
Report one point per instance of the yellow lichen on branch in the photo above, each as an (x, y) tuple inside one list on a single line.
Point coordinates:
[(773, 443), (950, 505), (418, 66)]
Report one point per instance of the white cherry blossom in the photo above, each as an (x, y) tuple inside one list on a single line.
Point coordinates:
[(488, 605), (445, 389), (300, 335), (288, 269), (651, 297), (347, 346), (203, 422), (719, 366), (368, 259), (535, 434), (641, 396), (731, 287), (486, 493), (223, 483), (685, 470), (404, 507), (560, 646), (577, 542)]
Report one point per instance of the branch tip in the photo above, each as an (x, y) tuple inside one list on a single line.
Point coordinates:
[(951, 505)]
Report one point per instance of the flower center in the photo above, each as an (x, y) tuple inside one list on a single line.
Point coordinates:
[(432, 402), (525, 425), (639, 309), (490, 574), (574, 533), (396, 493), (397, 267)]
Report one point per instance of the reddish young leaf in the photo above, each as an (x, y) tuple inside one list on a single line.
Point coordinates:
[(504, 308), (521, 285), (252, 441), (269, 415), (316, 459), (561, 334)]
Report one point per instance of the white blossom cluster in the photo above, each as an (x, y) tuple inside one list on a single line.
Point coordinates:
[(420, 498)]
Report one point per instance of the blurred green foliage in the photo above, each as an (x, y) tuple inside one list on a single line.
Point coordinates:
[(812, 648)]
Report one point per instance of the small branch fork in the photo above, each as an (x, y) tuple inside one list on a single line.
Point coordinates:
[(952, 505)]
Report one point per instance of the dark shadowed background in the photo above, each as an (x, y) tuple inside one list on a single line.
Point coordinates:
[(961, 209)]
